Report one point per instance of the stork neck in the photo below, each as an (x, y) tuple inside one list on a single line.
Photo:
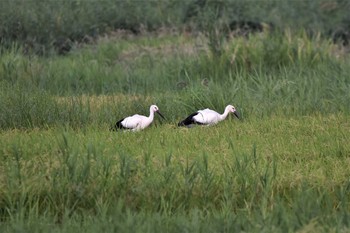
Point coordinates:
[(224, 115), (151, 115)]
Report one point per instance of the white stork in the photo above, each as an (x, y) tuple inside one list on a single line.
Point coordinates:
[(208, 117), (137, 122)]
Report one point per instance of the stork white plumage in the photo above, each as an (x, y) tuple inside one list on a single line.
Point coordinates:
[(137, 122), (208, 117)]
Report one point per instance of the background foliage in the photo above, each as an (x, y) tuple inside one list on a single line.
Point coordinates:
[(47, 26)]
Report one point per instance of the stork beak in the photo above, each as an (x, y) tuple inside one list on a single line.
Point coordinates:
[(160, 114), (236, 114)]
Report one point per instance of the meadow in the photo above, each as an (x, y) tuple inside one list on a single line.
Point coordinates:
[(283, 167)]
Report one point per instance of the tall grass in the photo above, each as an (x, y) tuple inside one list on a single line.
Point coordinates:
[(96, 177), (265, 75)]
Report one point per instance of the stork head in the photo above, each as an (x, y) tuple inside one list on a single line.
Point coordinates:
[(154, 108), (231, 108)]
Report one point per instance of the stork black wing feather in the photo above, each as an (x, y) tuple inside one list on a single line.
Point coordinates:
[(189, 120), (118, 126)]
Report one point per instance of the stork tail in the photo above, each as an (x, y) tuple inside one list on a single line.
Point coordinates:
[(118, 126), (188, 121)]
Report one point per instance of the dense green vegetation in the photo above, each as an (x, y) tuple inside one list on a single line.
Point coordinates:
[(45, 27), (265, 75), (282, 168), (238, 176)]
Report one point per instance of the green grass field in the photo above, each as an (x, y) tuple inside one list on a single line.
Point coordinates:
[(282, 168), (272, 174)]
